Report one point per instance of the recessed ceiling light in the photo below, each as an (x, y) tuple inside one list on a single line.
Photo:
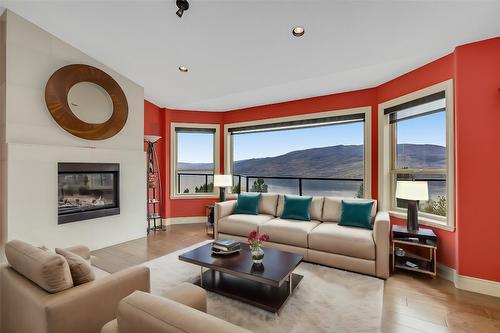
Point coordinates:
[(183, 69), (298, 31)]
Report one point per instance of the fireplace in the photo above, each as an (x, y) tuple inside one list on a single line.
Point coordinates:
[(87, 191)]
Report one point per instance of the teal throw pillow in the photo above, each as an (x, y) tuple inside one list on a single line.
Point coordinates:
[(297, 207), (248, 203), (356, 214)]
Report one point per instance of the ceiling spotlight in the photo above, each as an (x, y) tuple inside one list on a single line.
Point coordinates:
[(298, 31), (183, 69), (183, 5)]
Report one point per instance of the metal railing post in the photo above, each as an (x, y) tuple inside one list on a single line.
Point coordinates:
[(300, 186), (178, 182), (248, 190)]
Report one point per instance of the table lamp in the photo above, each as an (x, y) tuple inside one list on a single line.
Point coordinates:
[(413, 192), (223, 181)]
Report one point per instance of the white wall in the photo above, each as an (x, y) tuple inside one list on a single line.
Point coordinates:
[(35, 143)]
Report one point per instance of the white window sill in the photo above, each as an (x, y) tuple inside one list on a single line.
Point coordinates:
[(424, 221)]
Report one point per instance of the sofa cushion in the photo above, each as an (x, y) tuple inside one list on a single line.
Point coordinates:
[(297, 207), (241, 224), (247, 203), (332, 208), (81, 271), (356, 214), (316, 210), (48, 270), (268, 203), (348, 241), (290, 232)]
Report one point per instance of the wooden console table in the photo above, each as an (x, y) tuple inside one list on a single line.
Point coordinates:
[(415, 245)]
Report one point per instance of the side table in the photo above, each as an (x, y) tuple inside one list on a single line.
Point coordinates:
[(417, 248)]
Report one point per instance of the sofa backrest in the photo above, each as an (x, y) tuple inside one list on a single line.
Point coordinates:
[(324, 209), (332, 208), (141, 312), (268, 203)]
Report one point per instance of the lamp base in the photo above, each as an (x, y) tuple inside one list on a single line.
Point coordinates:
[(412, 217), (222, 194)]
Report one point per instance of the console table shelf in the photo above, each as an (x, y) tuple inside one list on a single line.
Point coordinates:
[(414, 244)]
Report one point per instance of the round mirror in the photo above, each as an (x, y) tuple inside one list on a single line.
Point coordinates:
[(90, 102)]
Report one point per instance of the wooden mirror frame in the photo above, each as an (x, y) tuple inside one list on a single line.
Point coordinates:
[(56, 98)]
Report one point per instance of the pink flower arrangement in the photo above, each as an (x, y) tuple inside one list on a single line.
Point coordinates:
[(255, 239)]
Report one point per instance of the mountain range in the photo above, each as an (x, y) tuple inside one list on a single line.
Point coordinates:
[(340, 161)]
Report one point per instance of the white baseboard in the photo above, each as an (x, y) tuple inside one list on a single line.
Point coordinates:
[(185, 220), (486, 287), (446, 272)]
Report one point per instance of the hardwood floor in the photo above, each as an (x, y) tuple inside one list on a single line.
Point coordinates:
[(157, 244), (412, 303)]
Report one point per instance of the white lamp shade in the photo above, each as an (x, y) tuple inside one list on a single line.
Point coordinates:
[(412, 190), (151, 138), (223, 180)]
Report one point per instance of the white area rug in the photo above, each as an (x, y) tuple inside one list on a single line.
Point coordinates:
[(326, 300)]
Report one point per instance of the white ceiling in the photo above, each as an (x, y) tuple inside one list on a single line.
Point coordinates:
[(242, 53)]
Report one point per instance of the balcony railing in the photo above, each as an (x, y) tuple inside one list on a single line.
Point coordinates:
[(286, 184)]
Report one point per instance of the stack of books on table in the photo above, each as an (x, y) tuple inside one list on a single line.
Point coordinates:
[(225, 246)]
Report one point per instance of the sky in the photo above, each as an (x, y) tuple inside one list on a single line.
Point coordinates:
[(256, 145), (430, 129), (195, 147), (198, 147)]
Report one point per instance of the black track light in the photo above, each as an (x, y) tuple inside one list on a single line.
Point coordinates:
[(183, 5)]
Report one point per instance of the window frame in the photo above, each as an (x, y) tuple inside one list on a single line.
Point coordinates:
[(388, 163), (366, 110), (174, 154)]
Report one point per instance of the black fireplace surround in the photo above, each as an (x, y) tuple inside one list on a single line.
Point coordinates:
[(87, 191)]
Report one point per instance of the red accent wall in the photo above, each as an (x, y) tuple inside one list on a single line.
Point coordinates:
[(478, 158), (476, 72), (437, 71), (342, 101)]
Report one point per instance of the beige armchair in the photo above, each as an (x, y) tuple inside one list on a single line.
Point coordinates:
[(182, 311), (26, 307)]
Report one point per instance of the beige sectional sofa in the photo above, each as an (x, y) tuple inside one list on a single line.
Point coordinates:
[(321, 240), (182, 310)]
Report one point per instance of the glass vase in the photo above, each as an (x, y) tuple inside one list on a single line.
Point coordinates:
[(257, 254)]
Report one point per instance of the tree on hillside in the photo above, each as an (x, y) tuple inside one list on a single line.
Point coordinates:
[(186, 190), (436, 207), (205, 188), (236, 188), (361, 191), (259, 186)]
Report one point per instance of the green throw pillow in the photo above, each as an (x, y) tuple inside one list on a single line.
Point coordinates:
[(248, 203), (297, 207), (356, 214)]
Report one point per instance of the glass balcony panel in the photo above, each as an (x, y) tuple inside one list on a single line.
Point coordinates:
[(337, 188)]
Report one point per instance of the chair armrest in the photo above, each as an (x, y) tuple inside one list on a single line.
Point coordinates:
[(87, 307), (222, 209), (190, 295), (142, 312), (80, 250), (381, 237), (110, 327)]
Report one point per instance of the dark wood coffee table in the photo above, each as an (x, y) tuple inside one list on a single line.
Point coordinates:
[(267, 286)]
